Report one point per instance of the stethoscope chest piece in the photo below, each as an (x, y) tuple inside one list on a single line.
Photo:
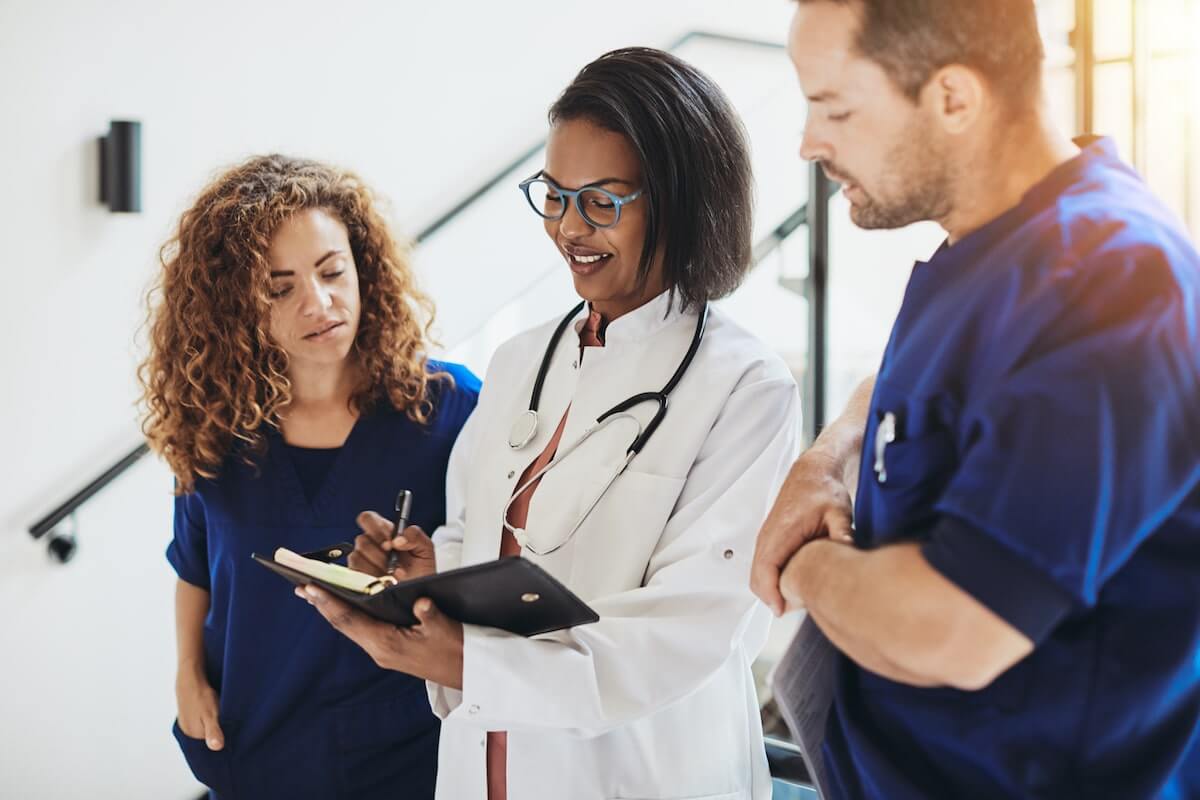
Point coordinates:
[(523, 430)]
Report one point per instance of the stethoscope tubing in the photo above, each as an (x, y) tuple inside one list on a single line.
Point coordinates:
[(519, 437)]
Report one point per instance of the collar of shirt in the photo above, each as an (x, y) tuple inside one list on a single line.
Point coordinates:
[(1095, 153), (638, 325)]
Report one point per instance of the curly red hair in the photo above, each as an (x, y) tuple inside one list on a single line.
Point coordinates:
[(214, 377)]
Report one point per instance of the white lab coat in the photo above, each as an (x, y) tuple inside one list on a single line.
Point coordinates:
[(656, 700)]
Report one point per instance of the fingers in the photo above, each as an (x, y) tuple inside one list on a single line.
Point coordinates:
[(777, 541), (432, 623), (840, 525), (427, 613), (412, 540), (346, 618), (374, 526), (368, 556), (413, 552), (764, 582), (790, 589), (213, 736), (378, 639)]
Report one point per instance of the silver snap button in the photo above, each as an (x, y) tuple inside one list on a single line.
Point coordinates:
[(728, 554), (335, 553), (511, 472), (530, 597), (473, 710), (574, 365)]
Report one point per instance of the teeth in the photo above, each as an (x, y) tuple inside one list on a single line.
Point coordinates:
[(588, 259)]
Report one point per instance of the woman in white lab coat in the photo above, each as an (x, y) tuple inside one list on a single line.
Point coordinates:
[(646, 193)]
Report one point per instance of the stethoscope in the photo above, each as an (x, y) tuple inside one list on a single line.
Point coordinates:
[(525, 426)]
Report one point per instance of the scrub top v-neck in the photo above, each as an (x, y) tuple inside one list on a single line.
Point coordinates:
[(312, 465), (305, 712)]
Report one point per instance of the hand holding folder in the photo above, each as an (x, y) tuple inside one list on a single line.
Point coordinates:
[(511, 594)]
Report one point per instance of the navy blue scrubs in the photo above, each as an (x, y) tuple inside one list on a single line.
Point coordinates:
[(1042, 386), (305, 712)]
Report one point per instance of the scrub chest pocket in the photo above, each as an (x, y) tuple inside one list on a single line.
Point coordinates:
[(909, 456)]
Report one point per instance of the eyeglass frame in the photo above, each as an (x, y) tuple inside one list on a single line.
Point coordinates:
[(618, 201)]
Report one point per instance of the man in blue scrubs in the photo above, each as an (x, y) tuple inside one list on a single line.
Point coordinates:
[(1016, 590)]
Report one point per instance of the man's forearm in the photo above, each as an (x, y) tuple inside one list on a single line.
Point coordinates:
[(891, 612), (854, 596), (841, 440)]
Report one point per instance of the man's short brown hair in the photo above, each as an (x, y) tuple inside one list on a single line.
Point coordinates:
[(913, 39)]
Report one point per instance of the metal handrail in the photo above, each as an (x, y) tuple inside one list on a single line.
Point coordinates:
[(46, 524)]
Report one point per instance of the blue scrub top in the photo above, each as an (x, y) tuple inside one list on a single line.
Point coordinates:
[(305, 712), (1043, 382)]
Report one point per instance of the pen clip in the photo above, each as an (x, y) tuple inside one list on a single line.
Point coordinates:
[(885, 434), (403, 508)]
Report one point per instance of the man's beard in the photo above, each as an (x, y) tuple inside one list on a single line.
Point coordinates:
[(919, 178)]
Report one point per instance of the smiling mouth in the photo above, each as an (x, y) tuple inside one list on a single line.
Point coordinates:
[(585, 261)]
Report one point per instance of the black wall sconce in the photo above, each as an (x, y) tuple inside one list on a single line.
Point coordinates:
[(121, 166)]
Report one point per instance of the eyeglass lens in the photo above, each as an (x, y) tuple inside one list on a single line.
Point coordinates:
[(598, 207)]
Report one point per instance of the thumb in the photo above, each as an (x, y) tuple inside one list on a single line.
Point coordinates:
[(427, 613), (840, 527), (212, 730)]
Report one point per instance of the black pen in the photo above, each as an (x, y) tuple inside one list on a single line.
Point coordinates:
[(403, 507)]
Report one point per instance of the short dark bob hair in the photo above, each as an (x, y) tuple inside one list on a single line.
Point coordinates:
[(695, 164)]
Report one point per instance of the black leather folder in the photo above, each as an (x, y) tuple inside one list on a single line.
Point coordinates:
[(512, 594)]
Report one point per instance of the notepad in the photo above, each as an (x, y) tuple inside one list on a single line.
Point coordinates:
[(336, 574), (512, 594)]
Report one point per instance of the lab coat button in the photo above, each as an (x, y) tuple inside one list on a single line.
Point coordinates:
[(574, 365), (728, 554), (473, 710), (511, 472)]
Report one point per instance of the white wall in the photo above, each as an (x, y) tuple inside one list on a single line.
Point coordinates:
[(424, 99)]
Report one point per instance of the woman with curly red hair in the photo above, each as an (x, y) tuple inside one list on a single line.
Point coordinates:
[(288, 389)]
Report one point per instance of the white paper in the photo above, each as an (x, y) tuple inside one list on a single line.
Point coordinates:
[(803, 687)]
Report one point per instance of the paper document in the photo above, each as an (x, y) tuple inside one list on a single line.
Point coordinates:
[(336, 574), (803, 688)]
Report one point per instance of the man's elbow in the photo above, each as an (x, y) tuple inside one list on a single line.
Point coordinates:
[(973, 677)]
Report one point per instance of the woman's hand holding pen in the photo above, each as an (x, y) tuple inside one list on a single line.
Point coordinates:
[(413, 548), (431, 649), (197, 703)]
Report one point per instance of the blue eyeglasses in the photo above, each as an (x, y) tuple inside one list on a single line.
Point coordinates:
[(599, 208)]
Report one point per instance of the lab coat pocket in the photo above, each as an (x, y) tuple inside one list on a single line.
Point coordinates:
[(211, 767), (621, 533)]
